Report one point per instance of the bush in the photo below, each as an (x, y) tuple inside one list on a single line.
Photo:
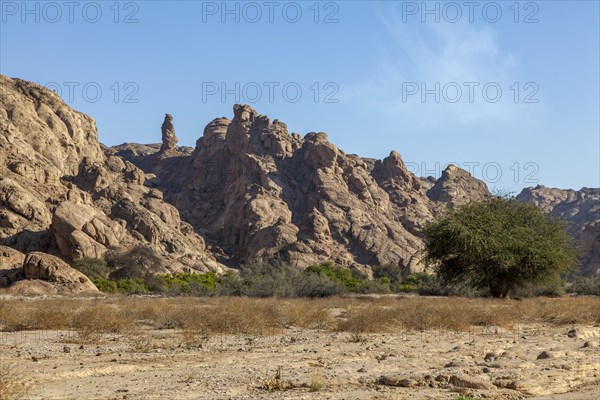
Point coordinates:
[(263, 280), (229, 284), (585, 286), (124, 286), (434, 286), (136, 262), (391, 272), (105, 285), (413, 282), (335, 274), (91, 267), (313, 286), (12, 384), (182, 284)]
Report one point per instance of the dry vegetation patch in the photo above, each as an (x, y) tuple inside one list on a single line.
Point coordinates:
[(12, 386), (200, 317)]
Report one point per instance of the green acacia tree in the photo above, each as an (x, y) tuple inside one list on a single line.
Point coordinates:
[(499, 244)]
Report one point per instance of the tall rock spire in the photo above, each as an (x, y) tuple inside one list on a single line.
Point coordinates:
[(169, 139)]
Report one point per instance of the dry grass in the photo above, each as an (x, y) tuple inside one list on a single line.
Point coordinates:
[(92, 322), (12, 385), (277, 383), (198, 318), (316, 382)]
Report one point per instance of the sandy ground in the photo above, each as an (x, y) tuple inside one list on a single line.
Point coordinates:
[(484, 363)]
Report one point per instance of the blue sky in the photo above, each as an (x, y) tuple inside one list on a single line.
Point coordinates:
[(510, 92)]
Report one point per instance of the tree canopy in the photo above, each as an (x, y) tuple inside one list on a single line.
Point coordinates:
[(499, 244)]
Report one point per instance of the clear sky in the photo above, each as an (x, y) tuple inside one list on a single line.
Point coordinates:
[(509, 90)]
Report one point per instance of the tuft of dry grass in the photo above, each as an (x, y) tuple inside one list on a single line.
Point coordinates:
[(316, 382), (277, 384), (12, 386)]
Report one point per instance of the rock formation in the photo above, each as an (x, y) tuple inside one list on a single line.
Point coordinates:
[(169, 140), (60, 194), (248, 192), (258, 193), (456, 187), (40, 273)]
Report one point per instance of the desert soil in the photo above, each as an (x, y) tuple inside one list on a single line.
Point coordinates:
[(487, 363)]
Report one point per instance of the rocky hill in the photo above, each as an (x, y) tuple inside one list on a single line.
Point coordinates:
[(249, 191), (258, 193), (61, 195)]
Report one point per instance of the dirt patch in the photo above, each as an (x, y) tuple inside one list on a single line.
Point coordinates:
[(283, 360)]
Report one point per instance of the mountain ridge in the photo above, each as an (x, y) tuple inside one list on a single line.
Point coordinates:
[(248, 192)]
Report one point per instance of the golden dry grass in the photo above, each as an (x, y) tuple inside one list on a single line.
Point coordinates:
[(12, 386), (198, 318)]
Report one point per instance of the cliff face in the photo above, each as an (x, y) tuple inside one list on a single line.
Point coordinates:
[(581, 210), (248, 192)]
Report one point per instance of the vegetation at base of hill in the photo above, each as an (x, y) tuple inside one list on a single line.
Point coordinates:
[(321, 280), (135, 272), (585, 286)]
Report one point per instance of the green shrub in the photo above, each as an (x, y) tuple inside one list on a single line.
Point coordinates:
[(132, 286), (336, 274), (182, 284), (413, 282), (124, 286), (105, 285), (585, 286), (91, 267)]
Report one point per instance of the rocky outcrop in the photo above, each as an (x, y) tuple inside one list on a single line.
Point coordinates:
[(81, 230), (52, 269), (61, 194), (456, 187), (11, 266), (581, 210), (258, 193), (169, 139), (40, 273)]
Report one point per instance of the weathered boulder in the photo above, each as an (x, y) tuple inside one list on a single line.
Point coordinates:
[(45, 267), (82, 231), (11, 266)]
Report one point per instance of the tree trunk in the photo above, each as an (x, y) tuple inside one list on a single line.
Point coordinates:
[(499, 288)]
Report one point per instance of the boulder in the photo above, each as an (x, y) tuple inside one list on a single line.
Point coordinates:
[(51, 269), (82, 231), (11, 266)]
